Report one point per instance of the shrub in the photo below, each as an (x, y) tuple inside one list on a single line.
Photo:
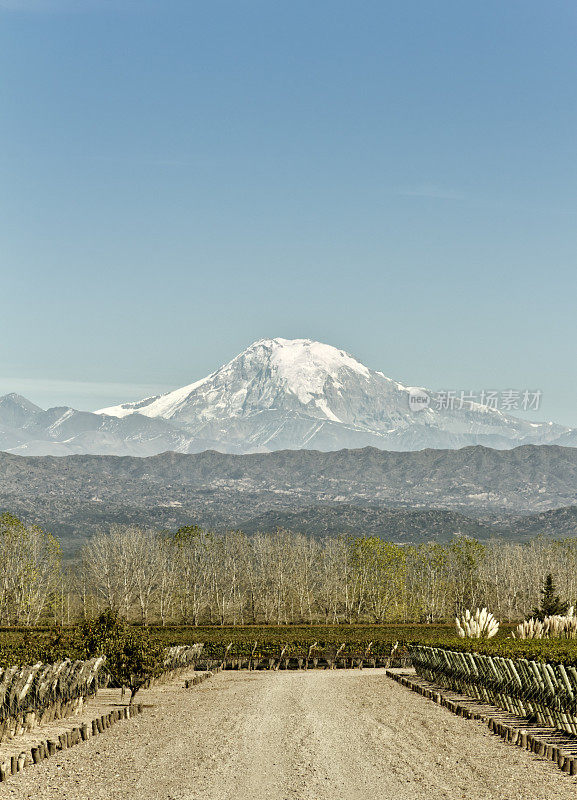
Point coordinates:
[(133, 655), (555, 627), (480, 625), (137, 659)]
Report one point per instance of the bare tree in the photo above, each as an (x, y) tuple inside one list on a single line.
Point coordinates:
[(30, 572)]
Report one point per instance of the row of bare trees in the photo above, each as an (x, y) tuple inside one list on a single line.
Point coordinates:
[(197, 577)]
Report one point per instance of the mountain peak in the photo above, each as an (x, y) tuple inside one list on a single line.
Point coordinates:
[(275, 370), (13, 398), (302, 364), (16, 410), (299, 393)]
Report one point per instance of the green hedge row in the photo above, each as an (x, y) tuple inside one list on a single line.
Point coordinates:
[(553, 651), (270, 640), (26, 646)]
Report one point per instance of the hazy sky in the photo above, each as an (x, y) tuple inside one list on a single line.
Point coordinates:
[(182, 178)]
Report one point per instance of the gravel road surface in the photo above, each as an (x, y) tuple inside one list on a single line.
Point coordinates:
[(316, 735)]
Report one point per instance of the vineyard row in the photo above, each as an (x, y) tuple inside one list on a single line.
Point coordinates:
[(543, 692)]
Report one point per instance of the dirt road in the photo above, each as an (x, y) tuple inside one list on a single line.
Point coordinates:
[(316, 735)]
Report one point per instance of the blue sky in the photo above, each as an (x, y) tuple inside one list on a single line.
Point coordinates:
[(179, 179)]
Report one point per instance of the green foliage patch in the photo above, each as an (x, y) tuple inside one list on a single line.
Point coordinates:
[(554, 651), (29, 645), (134, 654)]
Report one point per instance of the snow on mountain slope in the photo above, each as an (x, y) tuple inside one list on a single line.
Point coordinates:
[(278, 394), (293, 373), (293, 394), (65, 431)]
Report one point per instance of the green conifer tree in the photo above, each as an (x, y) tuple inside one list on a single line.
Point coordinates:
[(551, 603)]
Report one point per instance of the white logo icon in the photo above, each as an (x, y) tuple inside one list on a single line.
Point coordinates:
[(418, 400)]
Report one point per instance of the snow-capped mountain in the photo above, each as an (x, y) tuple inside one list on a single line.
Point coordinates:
[(28, 430), (294, 394), (277, 394)]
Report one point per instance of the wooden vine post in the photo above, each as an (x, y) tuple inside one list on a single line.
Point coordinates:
[(311, 648), (365, 655), (283, 651)]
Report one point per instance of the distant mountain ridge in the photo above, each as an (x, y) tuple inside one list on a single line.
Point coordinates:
[(26, 429), (277, 394), (407, 497)]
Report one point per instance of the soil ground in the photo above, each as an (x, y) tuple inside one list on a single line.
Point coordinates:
[(310, 735)]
